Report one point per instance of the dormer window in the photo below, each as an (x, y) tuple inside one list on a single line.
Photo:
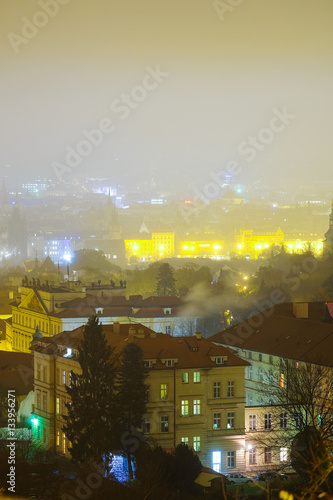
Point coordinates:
[(68, 353), (169, 362), (99, 310), (167, 310), (149, 363)]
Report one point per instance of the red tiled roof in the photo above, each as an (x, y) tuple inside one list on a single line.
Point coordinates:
[(190, 351), (284, 336)]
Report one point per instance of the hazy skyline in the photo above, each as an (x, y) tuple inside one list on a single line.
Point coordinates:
[(221, 82)]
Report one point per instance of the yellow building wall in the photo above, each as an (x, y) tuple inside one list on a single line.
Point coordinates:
[(188, 248)]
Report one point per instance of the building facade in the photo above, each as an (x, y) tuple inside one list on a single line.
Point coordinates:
[(195, 392)]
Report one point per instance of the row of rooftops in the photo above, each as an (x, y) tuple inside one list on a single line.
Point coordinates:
[(160, 351), (105, 305), (303, 333)]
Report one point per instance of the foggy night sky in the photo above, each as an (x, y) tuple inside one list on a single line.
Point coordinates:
[(225, 78)]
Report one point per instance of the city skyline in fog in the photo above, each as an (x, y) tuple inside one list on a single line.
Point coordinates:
[(178, 90)]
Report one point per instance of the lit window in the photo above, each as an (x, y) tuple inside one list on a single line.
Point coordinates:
[(268, 455), (281, 380), (164, 392), (230, 420), (185, 440), (252, 422), (64, 377), (268, 420), (252, 456), (283, 454), (230, 390), (231, 459), (184, 407), (217, 461), (196, 377), (196, 407), (63, 443), (283, 420), (58, 405), (164, 423), (217, 421), (216, 389), (185, 377), (196, 443), (58, 438)]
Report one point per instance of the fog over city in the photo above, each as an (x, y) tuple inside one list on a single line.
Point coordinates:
[(188, 86), (166, 249)]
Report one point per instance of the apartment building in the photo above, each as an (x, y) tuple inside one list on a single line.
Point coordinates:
[(288, 334), (57, 309), (196, 392)]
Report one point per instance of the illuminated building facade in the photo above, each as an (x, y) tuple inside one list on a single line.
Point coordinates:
[(252, 245), (161, 245), (195, 248), (195, 392)]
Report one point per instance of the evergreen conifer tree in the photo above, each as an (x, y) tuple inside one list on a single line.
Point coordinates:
[(166, 283), (131, 398), (91, 419)]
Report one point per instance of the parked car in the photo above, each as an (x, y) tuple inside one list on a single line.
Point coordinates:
[(236, 478), (270, 475)]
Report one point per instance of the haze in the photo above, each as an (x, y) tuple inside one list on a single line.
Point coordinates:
[(226, 73)]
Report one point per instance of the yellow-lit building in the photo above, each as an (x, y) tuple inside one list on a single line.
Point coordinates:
[(195, 248), (142, 249), (161, 245), (195, 392), (36, 307), (254, 244), (300, 246)]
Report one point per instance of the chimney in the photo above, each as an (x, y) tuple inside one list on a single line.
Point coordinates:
[(301, 310), (116, 327), (198, 335)]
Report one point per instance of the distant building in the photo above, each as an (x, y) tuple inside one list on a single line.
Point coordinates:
[(200, 248), (36, 307), (252, 244), (195, 395), (54, 309), (160, 245)]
